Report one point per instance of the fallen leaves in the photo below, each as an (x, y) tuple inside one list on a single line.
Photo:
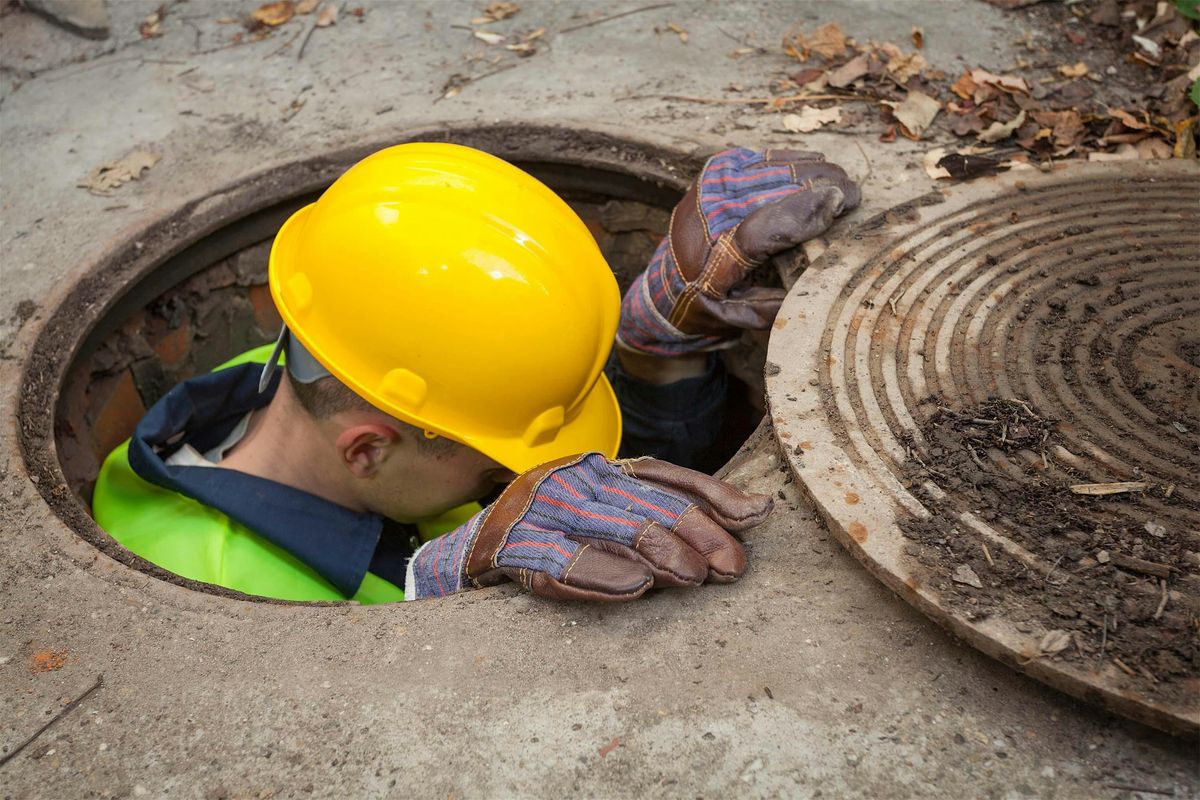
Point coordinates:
[(1001, 130), (1077, 70), (489, 37), (151, 26), (327, 15), (104, 179), (915, 113), (274, 14), (962, 166), (1008, 83), (828, 41), (494, 12), (810, 118), (849, 72)]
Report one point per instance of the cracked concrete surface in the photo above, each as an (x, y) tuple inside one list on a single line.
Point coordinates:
[(807, 678)]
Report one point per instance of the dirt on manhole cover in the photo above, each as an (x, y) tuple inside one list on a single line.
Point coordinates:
[(993, 395)]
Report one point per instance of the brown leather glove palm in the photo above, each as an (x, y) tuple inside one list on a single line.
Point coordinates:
[(587, 528)]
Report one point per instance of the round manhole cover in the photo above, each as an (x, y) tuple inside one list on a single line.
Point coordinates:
[(993, 395)]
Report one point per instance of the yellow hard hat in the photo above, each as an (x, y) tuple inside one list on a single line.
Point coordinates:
[(459, 294)]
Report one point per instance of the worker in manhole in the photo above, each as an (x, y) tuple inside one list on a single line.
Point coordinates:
[(448, 328)]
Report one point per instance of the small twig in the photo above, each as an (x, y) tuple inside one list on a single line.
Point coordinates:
[(1124, 667), (611, 17), (312, 28), (752, 101), (1162, 604), (975, 458), (478, 78), (987, 554), (1051, 572), (870, 170), (288, 43), (1141, 566), (67, 709)]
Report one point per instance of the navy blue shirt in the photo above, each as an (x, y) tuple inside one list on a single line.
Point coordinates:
[(677, 423)]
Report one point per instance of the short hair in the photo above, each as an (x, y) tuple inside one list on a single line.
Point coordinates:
[(325, 397)]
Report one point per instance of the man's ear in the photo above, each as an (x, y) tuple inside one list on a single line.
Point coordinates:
[(364, 448)]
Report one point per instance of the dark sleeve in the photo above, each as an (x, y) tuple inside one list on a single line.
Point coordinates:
[(678, 422)]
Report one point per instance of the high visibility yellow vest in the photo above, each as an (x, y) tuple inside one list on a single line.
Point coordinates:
[(195, 541)]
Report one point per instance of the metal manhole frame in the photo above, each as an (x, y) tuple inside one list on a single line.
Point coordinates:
[(866, 521)]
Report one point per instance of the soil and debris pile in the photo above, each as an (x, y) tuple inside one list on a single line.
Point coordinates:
[(1098, 582)]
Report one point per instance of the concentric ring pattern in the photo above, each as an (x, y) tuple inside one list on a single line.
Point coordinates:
[(1074, 298)]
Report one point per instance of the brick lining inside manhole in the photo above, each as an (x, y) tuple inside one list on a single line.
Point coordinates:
[(993, 396), (208, 300)]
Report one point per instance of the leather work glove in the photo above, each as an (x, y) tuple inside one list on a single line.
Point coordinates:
[(587, 528), (744, 207)]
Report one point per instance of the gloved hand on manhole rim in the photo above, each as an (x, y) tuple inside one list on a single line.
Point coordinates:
[(588, 528), (744, 207)]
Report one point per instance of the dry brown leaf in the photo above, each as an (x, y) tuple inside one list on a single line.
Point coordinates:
[(327, 15), (488, 36), (151, 26), (1129, 120), (901, 65), (1065, 126), (1002, 130), (1009, 83), (965, 87), (1077, 70), (827, 41), (1185, 138), (849, 72), (918, 37), (930, 161), (494, 12), (810, 118), (274, 14), (103, 179), (1124, 152), (915, 113), (307, 6)]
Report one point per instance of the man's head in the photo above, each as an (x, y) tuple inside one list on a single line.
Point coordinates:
[(388, 466)]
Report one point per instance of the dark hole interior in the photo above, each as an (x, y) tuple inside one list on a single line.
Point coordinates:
[(210, 302)]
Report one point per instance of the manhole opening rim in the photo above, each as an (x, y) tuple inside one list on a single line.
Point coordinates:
[(92, 291)]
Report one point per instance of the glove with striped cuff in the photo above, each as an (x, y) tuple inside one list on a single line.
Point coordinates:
[(587, 528), (743, 208)]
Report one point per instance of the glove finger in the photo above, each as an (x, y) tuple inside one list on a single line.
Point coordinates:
[(594, 576), (788, 222), (824, 174), (725, 555), (672, 561), (728, 505)]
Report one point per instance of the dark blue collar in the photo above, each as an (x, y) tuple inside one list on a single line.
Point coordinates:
[(336, 542)]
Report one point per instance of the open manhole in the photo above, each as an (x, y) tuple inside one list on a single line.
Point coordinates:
[(993, 395), (191, 293)]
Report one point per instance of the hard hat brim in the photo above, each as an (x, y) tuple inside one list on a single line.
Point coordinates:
[(596, 428)]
